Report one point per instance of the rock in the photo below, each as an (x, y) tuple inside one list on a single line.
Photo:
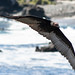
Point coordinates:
[(39, 2), (31, 10), (11, 7), (49, 48), (8, 6), (59, 10), (0, 50)]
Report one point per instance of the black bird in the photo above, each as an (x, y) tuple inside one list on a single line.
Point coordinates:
[(51, 31)]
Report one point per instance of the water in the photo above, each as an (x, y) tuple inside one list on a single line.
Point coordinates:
[(18, 42)]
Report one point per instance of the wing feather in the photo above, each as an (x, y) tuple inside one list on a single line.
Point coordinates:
[(33, 22), (63, 48)]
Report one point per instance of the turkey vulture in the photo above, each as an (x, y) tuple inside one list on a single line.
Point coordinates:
[(51, 31)]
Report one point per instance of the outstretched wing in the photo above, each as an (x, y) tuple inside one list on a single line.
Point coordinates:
[(32, 21), (53, 33)]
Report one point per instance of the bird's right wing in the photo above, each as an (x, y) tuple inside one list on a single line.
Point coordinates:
[(45, 28)]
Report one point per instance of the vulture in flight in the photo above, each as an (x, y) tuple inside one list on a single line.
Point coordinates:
[(51, 31)]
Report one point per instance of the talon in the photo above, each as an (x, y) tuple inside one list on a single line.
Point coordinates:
[(54, 24)]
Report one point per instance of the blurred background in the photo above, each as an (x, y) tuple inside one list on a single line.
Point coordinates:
[(25, 52), (41, 8)]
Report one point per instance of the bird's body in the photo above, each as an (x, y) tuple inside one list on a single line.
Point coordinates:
[(51, 31)]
